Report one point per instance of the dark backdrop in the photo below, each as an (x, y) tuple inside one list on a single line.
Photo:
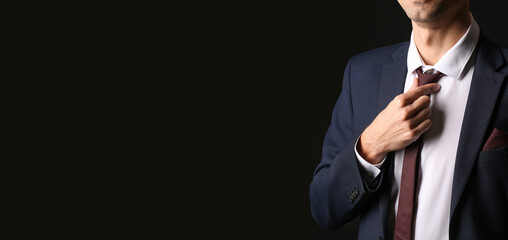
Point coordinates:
[(341, 31)]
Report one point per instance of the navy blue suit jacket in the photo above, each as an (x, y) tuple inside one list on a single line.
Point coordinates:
[(479, 205)]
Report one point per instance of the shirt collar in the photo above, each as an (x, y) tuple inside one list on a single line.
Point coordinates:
[(453, 62)]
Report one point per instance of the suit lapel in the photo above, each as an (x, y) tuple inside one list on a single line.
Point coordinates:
[(483, 94), (393, 77)]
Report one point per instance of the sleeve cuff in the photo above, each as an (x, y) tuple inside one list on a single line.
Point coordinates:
[(369, 171)]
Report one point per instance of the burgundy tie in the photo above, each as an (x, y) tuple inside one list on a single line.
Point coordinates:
[(404, 223)]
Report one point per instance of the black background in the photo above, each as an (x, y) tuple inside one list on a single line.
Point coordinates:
[(250, 100)]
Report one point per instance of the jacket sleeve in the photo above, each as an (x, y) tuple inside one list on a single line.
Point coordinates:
[(338, 193)]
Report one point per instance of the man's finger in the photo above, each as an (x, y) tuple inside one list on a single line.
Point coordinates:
[(418, 104), (420, 117), (426, 89), (422, 127)]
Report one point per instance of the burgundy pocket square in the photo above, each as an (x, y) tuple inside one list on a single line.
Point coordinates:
[(497, 139)]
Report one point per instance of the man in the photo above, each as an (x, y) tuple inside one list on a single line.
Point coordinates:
[(418, 143)]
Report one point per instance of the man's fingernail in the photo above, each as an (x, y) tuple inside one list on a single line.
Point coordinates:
[(437, 87)]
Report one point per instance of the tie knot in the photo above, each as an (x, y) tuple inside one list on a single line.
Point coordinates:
[(428, 76)]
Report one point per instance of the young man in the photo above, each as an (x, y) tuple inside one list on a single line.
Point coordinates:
[(418, 143)]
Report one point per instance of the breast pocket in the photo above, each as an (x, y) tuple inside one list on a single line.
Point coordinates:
[(493, 156)]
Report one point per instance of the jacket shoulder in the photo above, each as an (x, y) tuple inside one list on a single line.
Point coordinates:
[(379, 56), (494, 54)]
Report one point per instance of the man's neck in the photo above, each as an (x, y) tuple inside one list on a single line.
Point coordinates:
[(433, 40)]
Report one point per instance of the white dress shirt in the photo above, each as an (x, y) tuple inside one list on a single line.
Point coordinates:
[(440, 142)]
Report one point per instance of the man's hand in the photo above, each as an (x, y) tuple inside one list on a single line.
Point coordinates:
[(399, 124)]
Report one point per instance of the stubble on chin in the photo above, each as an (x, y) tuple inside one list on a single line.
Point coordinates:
[(423, 11), (421, 14)]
